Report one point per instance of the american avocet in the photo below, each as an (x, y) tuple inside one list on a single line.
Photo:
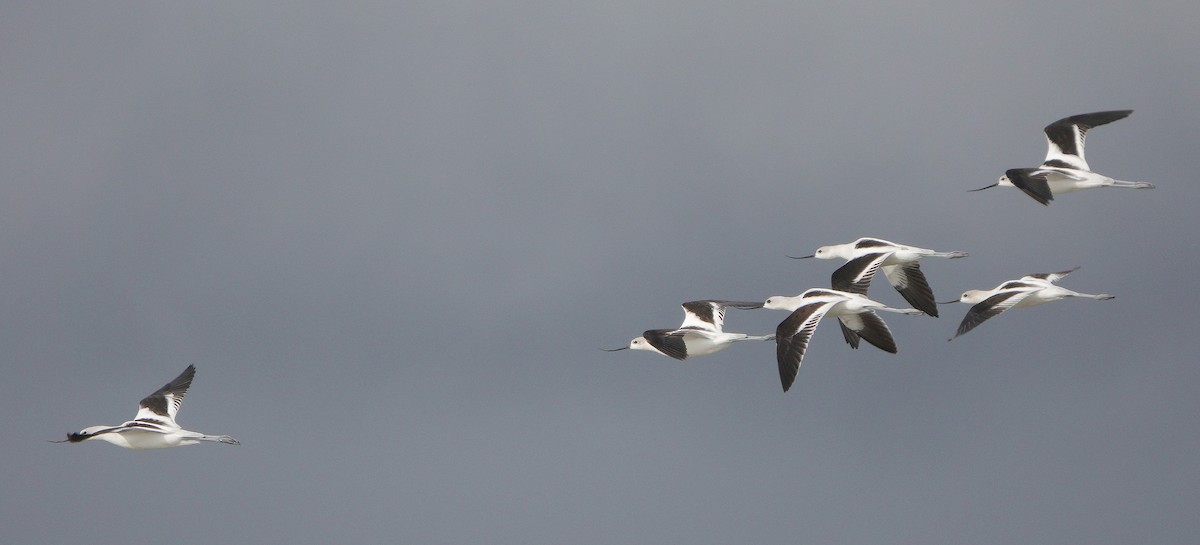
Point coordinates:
[(1065, 169), (900, 266), (154, 426), (856, 312), (701, 333), (1027, 291)]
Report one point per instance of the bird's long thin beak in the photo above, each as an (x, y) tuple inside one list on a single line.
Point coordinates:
[(802, 257), (615, 349), (63, 441), (951, 302), (985, 187)]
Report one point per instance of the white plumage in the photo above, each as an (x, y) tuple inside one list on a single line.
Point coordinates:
[(154, 425)]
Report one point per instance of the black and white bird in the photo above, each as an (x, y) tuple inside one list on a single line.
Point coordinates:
[(1065, 169), (900, 264), (1027, 291), (154, 426), (701, 333), (856, 312)]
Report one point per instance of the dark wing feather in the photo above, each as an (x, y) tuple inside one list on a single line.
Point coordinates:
[(848, 334), (867, 242), (870, 326), (855, 276), (988, 308), (1062, 132), (166, 400), (710, 313), (667, 341), (791, 339), (1052, 277), (912, 285), (1069, 133), (743, 305), (1065, 138), (1033, 184)]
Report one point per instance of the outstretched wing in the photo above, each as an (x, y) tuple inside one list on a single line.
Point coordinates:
[(1065, 137), (990, 307), (855, 276), (710, 314), (1033, 182), (162, 406), (1049, 277), (792, 336), (870, 326), (667, 341), (908, 279), (848, 334)]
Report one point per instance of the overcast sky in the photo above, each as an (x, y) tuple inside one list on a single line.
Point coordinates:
[(393, 238)]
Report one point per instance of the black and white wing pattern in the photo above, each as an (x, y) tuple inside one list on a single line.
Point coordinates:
[(908, 279), (668, 341), (855, 277), (1033, 182), (848, 334), (1049, 277), (1065, 138), (990, 307), (710, 314), (162, 406), (870, 326), (792, 336)]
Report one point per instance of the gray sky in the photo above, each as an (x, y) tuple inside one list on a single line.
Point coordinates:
[(392, 240)]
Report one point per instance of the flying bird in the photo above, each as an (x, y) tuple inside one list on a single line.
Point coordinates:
[(154, 426), (856, 312), (900, 264), (701, 333), (1065, 169), (1027, 291)]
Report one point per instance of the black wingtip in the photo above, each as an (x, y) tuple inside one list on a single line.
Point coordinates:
[(184, 380), (1095, 119)]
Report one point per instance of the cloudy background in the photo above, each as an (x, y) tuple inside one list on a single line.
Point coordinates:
[(392, 238)]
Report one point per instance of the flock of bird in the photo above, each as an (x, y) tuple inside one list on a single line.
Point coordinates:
[(702, 331), (1063, 171)]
